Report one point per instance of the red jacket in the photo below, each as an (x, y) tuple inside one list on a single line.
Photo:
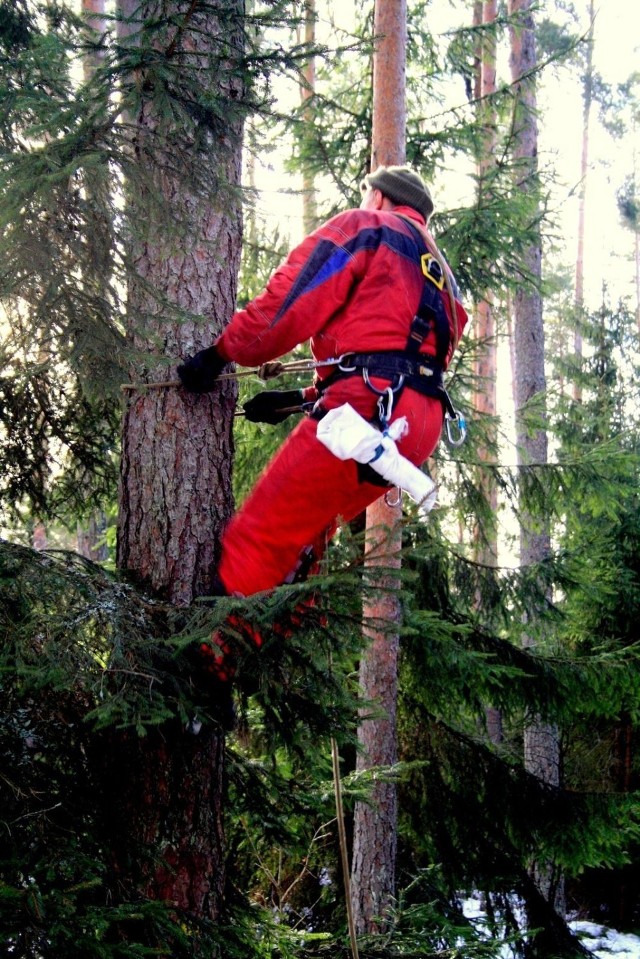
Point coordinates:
[(354, 285)]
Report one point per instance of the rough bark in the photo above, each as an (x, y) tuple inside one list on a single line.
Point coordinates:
[(175, 485), (375, 825), (389, 83), (177, 448), (541, 742)]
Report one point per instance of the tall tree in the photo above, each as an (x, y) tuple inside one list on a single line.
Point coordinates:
[(307, 93), (91, 532), (375, 822), (485, 545), (587, 102), (542, 742), (175, 481)]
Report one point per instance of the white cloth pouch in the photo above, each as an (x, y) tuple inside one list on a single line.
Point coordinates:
[(349, 437)]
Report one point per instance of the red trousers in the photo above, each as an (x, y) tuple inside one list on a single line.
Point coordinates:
[(305, 491)]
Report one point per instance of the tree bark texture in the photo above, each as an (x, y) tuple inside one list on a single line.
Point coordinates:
[(175, 490), (389, 83), (175, 485), (541, 739), (376, 824), (163, 800), (527, 304)]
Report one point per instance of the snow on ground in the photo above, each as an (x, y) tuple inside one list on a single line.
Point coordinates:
[(602, 943)]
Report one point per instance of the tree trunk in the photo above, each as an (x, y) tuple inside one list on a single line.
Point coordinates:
[(307, 92), (486, 544), (389, 83), (175, 489), (175, 484), (90, 532), (91, 538), (542, 742), (375, 825), (587, 95), (484, 321)]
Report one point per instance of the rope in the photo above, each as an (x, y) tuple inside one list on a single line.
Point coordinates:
[(342, 835), (267, 371)]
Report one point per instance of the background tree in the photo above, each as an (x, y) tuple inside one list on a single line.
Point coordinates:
[(176, 462), (375, 822), (542, 744)]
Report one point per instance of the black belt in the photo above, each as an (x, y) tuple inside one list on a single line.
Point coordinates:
[(418, 372)]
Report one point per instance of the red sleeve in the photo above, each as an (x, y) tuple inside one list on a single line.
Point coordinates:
[(300, 298)]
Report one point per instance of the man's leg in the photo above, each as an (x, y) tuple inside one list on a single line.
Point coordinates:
[(294, 504)]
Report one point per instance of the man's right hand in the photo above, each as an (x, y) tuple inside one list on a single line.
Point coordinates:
[(272, 406), (198, 374)]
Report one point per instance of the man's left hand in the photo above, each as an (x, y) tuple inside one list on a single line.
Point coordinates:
[(198, 374)]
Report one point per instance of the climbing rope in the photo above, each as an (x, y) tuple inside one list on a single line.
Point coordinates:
[(267, 371)]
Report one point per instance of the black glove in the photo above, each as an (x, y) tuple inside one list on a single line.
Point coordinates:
[(198, 374), (270, 406)]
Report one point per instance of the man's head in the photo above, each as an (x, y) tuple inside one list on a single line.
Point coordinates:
[(400, 186)]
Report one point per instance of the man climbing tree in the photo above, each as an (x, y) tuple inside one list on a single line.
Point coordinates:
[(375, 297)]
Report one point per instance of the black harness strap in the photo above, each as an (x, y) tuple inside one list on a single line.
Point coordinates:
[(431, 314), (416, 371)]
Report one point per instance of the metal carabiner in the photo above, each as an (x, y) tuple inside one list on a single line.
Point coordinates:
[(397, 384), (398, 498), (341, 360), (461, 423), (385, 406)]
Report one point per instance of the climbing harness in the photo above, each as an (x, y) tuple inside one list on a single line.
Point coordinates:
[(410, 367)]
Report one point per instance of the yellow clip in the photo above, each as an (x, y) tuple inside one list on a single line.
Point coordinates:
[(432, 270)]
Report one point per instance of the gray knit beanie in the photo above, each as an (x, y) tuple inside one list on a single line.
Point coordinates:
[(402, 186)]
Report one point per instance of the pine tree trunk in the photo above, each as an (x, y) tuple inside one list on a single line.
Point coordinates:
[(307, 92), (587, 95), (175, 489), (485, 537), (90, 532), (376, 822), (175, 485), (375, 825), (484, 320), (542, 743), (91, 538)]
